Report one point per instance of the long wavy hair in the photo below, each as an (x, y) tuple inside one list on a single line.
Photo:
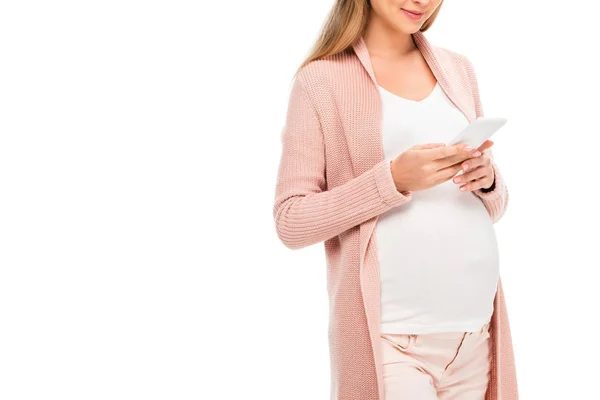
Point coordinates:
[(346, 23)]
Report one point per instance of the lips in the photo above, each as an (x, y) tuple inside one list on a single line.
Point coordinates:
[(412, 14)]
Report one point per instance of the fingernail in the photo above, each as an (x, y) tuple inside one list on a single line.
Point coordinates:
[(462, 189), (456, 180), (477, 154), (468, 148), (465, 167)]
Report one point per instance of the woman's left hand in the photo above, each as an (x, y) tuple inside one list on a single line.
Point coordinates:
[(477, 171)]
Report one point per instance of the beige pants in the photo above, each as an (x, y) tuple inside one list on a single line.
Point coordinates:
[(436, 366)]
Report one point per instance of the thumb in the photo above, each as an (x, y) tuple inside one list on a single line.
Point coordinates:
[(427, 146), (486, 145)]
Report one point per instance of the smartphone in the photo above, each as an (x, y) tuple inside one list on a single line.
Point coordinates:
[(478, 131)]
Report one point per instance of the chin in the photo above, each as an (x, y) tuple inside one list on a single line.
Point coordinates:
[(410, 29), (413, 30)]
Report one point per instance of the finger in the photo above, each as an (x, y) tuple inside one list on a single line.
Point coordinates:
[(427, 146), (472, 163), (477, 173), (449, 151), (447, 173), (477, 184), (486, 145), (459, 158)]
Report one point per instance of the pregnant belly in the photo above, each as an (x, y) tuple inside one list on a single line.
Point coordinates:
[(438, 257), (440, 228)]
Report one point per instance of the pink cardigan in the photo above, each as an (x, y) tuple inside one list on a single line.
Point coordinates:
[(332, 185)]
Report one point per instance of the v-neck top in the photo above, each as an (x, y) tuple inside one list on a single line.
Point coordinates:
[(438, 254), (432, 94)]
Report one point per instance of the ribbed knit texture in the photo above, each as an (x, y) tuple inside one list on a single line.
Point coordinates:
[(332, 185)]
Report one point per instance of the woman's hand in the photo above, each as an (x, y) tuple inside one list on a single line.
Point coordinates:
[(477, 171), (426, 165)]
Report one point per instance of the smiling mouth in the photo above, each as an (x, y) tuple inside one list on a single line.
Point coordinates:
[(412, 14)]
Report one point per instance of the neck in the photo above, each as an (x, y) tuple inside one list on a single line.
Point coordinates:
[(384, 41)]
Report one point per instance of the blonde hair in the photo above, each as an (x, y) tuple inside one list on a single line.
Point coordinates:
[(346, 22)]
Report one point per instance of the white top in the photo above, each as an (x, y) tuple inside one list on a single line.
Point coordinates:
[(438, 254)]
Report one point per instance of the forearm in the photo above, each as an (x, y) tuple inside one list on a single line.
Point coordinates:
[(303, 219), (495, 199)]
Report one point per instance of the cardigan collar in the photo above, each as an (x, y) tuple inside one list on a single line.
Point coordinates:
[(448, 85)]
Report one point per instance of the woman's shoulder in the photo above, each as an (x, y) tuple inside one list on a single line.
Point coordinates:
[(325, 69), (323, 79), (453, 60)]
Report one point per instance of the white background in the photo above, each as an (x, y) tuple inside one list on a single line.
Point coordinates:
[(139, 145)]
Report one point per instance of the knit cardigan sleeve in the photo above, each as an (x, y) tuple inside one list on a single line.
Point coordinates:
[(496, 200), (306, 211)]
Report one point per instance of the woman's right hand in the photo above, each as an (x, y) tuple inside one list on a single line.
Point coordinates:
[(426, 165)]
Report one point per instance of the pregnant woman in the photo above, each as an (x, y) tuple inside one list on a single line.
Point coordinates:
[(417, 310)]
